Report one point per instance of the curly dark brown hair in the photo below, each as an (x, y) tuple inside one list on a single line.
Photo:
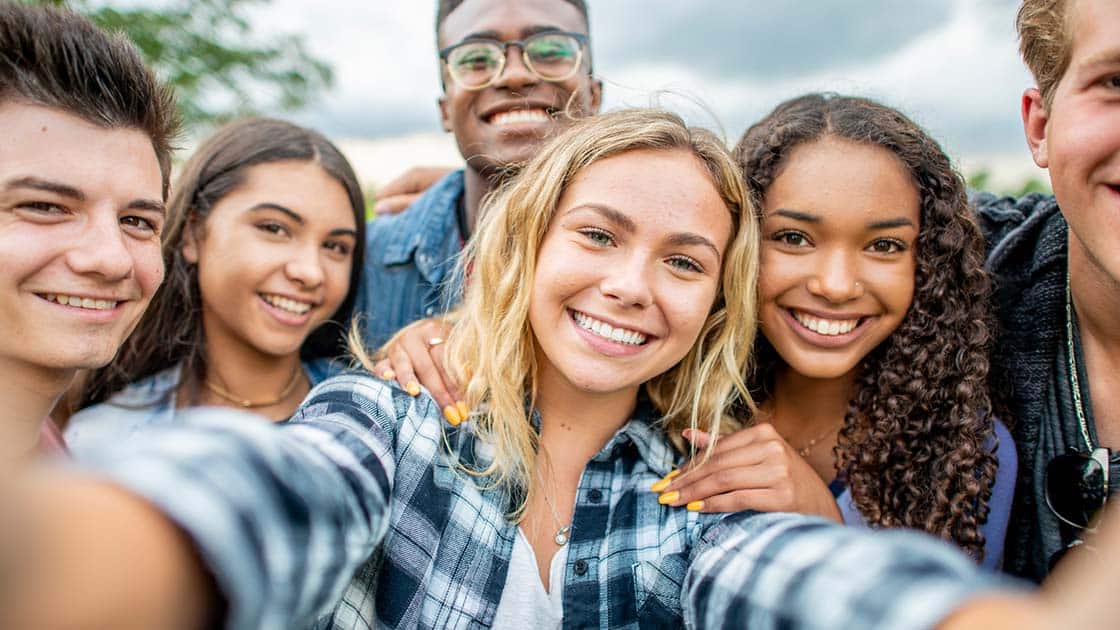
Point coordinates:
[(914, 443)]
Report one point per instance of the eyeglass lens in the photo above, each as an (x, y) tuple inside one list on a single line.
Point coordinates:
[(550, 56), (1075, 488)]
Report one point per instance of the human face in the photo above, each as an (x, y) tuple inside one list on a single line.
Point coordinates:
[(1078, 139), (506, 123), (635, 245), (837, 274), (81, 210), (274, 259)]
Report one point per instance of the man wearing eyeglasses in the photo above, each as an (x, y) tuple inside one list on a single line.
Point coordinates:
[(514, 73), (1056, 261)]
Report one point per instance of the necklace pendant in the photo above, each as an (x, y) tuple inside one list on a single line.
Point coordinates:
[(562, 536)]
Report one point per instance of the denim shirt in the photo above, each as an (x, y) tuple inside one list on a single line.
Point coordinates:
[(409, 259), (358, 498)]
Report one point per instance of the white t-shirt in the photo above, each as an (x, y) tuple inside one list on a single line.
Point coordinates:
[(525, 603)]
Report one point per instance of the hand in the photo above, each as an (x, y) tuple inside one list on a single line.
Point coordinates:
[(414, 357), (753, 468), (399, 194)]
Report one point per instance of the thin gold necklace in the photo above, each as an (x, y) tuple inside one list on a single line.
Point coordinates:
[(248, 404), (808, 448)]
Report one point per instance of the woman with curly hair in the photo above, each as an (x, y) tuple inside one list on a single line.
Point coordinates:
[(870, 371)]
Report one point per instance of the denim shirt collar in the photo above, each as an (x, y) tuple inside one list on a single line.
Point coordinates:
[(421, 232)]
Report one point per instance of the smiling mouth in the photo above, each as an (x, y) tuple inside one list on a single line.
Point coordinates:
[(295, 307), (534, 115), (826, 327), (608, 332), (80, 302)]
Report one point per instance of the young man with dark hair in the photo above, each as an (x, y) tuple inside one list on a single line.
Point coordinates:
[(84, 167), (1056, 261), (514, 73)]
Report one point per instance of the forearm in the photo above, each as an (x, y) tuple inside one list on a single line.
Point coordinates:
[(774, 570)]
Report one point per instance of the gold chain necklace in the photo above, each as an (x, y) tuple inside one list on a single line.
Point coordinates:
[(808, 448), (248, 404)]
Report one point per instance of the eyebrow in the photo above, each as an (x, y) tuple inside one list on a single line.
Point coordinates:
[(293, 215), (807, 217), (1104, 58), (627, 224), (528, 31), (65, 190), (35, 183)]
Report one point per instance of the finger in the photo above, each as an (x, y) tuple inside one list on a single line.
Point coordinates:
[(383, 369), (721, 472), (761, 499), (736, 440), (423, 366), (394, 204), (401, 366), (449, 385), (723, 481)]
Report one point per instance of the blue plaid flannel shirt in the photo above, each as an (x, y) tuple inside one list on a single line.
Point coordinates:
[(353, 515)]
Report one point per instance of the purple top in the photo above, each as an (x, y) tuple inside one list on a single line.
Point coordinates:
[(999, 507)]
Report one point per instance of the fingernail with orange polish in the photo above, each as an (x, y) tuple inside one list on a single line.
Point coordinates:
[(669, 497), (463, 409), (388, 375), (412, 388), (695, 506), (452, 415)]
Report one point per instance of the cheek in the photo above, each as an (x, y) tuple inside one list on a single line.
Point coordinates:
[(688, 309), (149, 267)]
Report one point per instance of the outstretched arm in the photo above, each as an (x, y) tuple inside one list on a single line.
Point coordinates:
[(279, 516)]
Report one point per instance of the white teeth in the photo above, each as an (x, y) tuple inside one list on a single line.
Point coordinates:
[(286, 304), (830, 327), (606, 331), (517, 116), (80, 302)]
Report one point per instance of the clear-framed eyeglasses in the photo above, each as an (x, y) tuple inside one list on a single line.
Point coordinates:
[(476, 63)]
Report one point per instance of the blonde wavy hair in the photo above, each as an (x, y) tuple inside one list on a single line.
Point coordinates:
[(490, 350)]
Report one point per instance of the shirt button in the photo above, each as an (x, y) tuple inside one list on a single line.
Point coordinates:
[(580, 567), (594, 496), (428, 311)]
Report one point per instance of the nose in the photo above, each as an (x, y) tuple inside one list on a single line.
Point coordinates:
[(515, 74), (101, 249), (305, 268), (836, 278), (628, 284)]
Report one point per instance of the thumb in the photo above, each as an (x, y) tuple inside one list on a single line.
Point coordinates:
[(696, 437)]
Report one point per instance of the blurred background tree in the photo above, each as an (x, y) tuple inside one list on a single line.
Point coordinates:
[(206, 48), (980, 179)]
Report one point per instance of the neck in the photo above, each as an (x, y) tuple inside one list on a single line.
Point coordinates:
[(575, 425), (475, 187), (1096, 299), (29, 393), (802, 407), (255, 377)]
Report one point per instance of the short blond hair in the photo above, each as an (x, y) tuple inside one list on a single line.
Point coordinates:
[(1045, 42), (491, 348)]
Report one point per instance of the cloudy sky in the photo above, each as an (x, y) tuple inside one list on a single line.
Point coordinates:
[(950, 64)]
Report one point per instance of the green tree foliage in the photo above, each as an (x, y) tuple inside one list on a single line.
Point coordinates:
[(207, 50), (981, 180)]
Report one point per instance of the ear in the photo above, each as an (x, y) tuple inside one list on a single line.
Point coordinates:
[(1035, 119), (189, 248), (444, 117), (596, 88)]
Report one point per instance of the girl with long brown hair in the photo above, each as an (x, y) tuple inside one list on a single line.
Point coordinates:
[(263, 247)]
